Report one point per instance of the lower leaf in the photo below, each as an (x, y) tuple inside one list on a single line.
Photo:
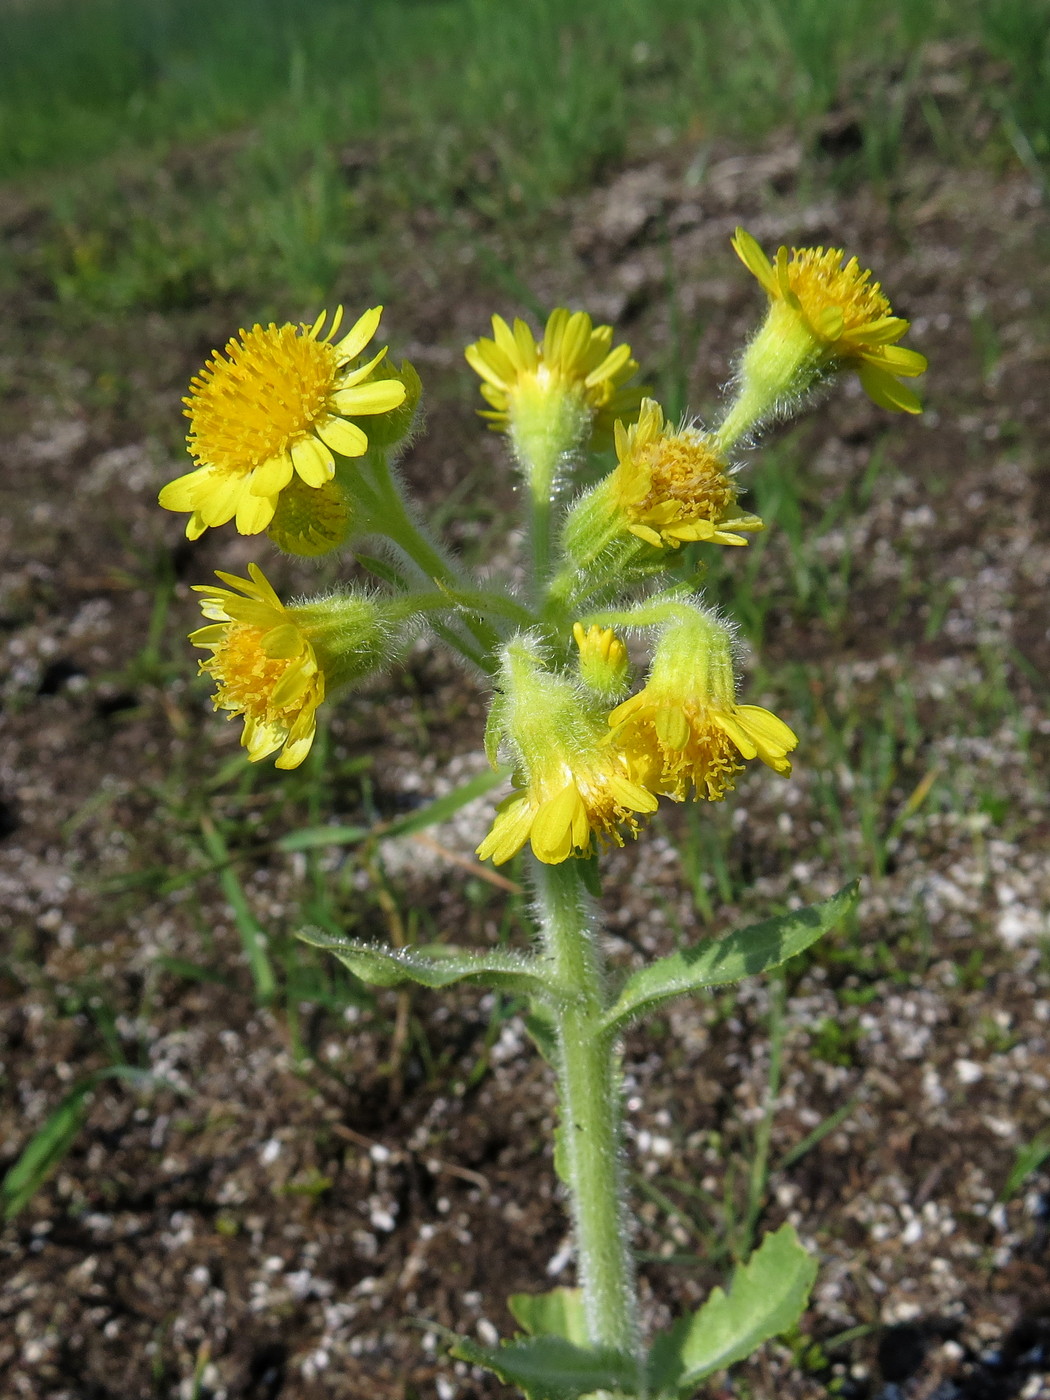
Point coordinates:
[(766, 1297), (437, 966), (551, 1368), (558, 1313)]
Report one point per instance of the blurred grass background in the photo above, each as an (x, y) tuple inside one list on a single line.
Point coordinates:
[(439, 103)]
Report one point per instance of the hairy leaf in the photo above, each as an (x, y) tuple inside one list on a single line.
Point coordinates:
[(433, 966), (719, 961), (767, 1296), (558, 1313), (551, 1368), (540, 1024)]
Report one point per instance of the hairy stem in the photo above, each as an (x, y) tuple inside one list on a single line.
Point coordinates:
[(397, 523), (589, 1087)]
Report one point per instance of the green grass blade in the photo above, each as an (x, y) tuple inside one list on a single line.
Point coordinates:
[(1029, 1159), (311, 837), (819, 1133), (50, 1143), (253, 938)]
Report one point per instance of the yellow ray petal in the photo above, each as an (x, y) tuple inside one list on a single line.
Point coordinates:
[(345, 438), (313, 462), (359, 334)]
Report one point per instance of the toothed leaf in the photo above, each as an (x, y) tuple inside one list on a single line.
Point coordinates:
[(766, 1297)]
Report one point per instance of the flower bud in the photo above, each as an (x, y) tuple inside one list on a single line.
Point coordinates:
[(311, 520), (603, 663), (395, 425)]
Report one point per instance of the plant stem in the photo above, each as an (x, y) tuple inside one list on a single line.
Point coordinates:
[(402, 529), (397, 523), (589, 1088), (551, 423), (540, 541)]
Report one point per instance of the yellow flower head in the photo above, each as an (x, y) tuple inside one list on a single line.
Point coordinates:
[(574, 356), (684, 728), (673, 485), (264, 667), (573, 785), (563, 806), (845, 313), (276, 405)]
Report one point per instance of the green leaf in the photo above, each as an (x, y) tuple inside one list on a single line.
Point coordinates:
[(541, 1026), (49, 1144), (435, 965), (310, 837), (253, 938), (767, 1296), (551, 1368), (718, 961), (558, 1313)]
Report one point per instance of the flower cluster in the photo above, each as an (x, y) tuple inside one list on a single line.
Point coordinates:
[(290, 432), (584, 773)]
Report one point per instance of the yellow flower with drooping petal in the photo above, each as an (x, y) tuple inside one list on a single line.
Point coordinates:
[(684, 729), (677, 743), (264, 667), (574, 356), (274, 664), (572, 786), (845, 314), (567, 803), (672, 485), (277, 404)]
